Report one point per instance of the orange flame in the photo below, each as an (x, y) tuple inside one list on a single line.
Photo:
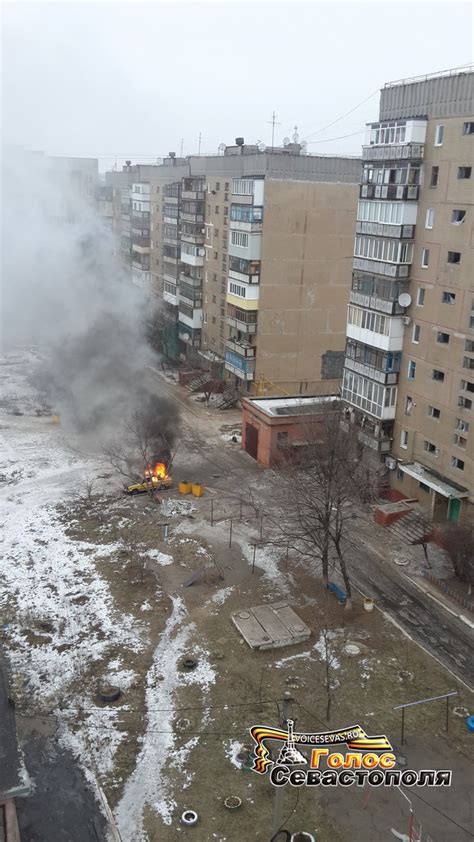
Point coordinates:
[(159, 470)]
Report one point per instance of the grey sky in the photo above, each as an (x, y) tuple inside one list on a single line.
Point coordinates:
[(134, 79)]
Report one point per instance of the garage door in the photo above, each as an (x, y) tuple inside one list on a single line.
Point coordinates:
[(251, 440)]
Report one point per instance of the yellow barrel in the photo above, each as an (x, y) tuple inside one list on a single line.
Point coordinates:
[(198, 489), (185, 487)]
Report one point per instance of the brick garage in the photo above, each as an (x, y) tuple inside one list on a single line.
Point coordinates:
[(274, 429)]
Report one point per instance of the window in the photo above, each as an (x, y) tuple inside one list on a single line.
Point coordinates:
[(416, 333), (218, 186), (404, 439), (411, 370), (425, 259), (458, 216), (226, 213), (442, 338), (464, 172), (408, 405), (467, 385), (466, 403), (454, 257), (469, 345), (420, 300), (214, 299), (468, 362), (238, 238), (434, 176), (457, 463), (236, 289), (439, 136), (213, 320), (434, 412), (448, 297), (216, 209), (429, 446), (468, 128), (438, 375), (460, 441), (462, 425), (242, 186), (429, 218)]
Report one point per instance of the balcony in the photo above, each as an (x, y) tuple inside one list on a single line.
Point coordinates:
[(140, 220), (400, 192), (372, 398), (191, 216), (380, 229), (243, 349), (246, 218), (193, 237), (140, 244), (190, 296), (188, 335), (388, 378), (245, 246), (170, 297), (239, 321), (188, 316), (392, 342), (171, 199), (192, 255), (389, 270), (381, 445), (393, 152), (193, 195), (372, 302), (191, 280), (242, 368)]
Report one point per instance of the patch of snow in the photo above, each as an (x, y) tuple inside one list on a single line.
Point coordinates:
[(232, 751), (174, 508), (320, 648), (220, 596), (147, 784), (162, 558), (283, 661), (145, 606)]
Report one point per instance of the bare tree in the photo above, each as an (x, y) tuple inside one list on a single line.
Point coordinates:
[(327, 651), (318, 493), (458, 542), (421, 521)]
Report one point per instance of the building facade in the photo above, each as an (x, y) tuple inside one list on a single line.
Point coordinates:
[(409, 365)]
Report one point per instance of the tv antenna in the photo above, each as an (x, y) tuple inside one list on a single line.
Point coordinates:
[(296, 137), (274, 122)]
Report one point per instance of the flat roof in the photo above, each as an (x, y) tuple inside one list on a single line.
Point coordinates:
[(291, 405), (433, 480)]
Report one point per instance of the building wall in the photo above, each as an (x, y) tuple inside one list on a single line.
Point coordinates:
[(308, 235), (435, 316), (216, 264)]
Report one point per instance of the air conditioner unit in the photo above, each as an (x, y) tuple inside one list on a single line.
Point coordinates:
[(406, 320), (390, 463)]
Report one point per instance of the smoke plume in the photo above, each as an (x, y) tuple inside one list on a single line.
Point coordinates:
[(66, 291)]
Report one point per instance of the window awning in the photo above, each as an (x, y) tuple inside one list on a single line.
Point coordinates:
[(432, 480)]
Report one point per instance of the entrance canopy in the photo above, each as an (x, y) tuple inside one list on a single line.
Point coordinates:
[(433, 480)]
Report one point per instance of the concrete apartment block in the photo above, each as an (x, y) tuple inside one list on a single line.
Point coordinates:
[(409, 368)]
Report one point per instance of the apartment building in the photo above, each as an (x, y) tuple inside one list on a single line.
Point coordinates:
[(250, 253), (409, 366)]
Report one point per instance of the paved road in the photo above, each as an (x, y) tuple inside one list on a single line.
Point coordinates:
[(439, 632)]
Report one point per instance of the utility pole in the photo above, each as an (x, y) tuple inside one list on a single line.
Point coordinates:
[(199, 148), (274, 123), (279, 790)]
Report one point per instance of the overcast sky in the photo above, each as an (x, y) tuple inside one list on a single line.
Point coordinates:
[(136, 80)]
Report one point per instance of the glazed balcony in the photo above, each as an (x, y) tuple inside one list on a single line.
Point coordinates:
[(243, 349), (242, 368), (390, 192), (393, 152)]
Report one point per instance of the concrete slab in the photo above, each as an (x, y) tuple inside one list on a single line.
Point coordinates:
[(271, 626)]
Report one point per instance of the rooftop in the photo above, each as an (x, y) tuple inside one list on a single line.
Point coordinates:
[(291, 405), (433, 480)]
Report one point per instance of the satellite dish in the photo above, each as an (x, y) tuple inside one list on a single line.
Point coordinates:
[(262, 146), (221, 147), (286, 141), (404, 299)]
